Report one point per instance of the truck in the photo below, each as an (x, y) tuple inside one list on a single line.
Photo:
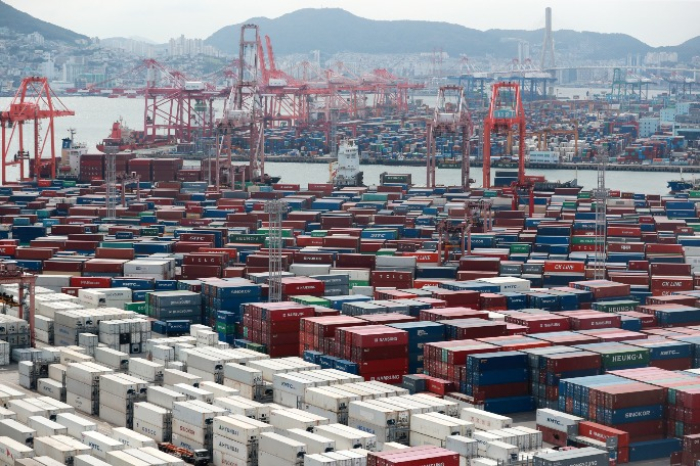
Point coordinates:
[(199, 457)]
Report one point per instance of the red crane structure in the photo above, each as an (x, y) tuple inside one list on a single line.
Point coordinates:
[(177, 111), (33, 102), (505, 113), (451, 116)]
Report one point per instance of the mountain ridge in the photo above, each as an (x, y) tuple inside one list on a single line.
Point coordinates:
[(341, 31), (24, 23)]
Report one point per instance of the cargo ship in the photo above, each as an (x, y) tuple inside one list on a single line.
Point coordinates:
[(122, 138), (681, 185)]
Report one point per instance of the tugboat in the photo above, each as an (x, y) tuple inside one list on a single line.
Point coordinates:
[(346, 171)]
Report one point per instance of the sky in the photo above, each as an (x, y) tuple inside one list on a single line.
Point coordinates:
[(656, 22)]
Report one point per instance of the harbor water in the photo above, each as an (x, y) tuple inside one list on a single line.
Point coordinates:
[(95, 115)]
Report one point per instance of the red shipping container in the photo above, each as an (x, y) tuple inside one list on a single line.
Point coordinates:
[(626, 247), (624, 231), (7, 250), (459, 298), (553, 437), (104, 265), (205, 258), (669, 269), (60, 265), (414, 456), (91, 282), (362, 261), (114, 253), (391, 378), (71, 290), (661, 285), (194, 272), (564, 266), (313, 258), (602, 433), (198, 237), (501, 391)]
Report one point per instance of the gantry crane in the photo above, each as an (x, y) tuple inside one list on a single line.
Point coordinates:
[(243, 109), (451, 116), (33, 102), (505, 113)]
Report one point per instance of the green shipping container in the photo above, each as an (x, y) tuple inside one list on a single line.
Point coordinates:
[(584, 195), (251, 238), (386, 252), (490, 193), (256, 347), (117, 244), (225, 329), (310, 300), (319, 233), (623, 305), (375, 197), (69, 184), (286, 232), (520, 248), (626, 358), (138, 306), (583, 240), (358, 283), (694, 193), (149, 232)]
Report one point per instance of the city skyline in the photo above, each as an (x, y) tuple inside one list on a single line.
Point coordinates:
[(672, 22)]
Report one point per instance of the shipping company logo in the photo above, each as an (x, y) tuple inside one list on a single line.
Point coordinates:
[(89, 282), (306, 287), (228, 446), (228, 430), (672, 284), (554, 421), (386, 339), (593, 433), (564, 267), (638, 414), (187, 430), (626, 357), (669, 353)]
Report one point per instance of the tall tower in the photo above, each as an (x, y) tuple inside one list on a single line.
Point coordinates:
[(548, 44)]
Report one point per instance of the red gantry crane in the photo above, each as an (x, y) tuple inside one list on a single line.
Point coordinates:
[(451, 116), (34, 102), (505, 113)]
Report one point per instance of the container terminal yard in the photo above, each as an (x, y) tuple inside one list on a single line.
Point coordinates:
[(161, 314)]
